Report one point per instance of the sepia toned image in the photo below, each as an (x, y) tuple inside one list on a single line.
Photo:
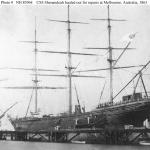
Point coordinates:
[(74, 74)]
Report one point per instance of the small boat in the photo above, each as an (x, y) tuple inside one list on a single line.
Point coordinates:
[(146, 143), (79, 142)]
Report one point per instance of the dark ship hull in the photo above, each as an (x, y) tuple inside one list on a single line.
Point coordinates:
[(116, 115)]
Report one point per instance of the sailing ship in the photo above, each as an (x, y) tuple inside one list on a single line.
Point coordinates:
[(132, 110)]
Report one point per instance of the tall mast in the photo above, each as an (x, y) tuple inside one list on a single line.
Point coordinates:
[(110, 50), (35, 70), (110, 60), (69, 64), (69, 53)]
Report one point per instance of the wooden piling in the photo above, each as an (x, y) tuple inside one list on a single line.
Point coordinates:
[(62, 135)]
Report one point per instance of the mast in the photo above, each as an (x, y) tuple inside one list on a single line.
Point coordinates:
[(110, 60), (35, 71), (69, 64), (69, 54), (110, 50)]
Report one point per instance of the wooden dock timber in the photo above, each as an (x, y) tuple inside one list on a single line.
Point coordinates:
[(120, 136)]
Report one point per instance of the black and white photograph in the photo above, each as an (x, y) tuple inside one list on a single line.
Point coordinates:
[(74, 75)]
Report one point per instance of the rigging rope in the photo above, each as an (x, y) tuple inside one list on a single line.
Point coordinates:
[(29, 103)]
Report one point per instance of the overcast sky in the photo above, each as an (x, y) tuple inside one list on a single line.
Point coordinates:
[(17, 24)]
